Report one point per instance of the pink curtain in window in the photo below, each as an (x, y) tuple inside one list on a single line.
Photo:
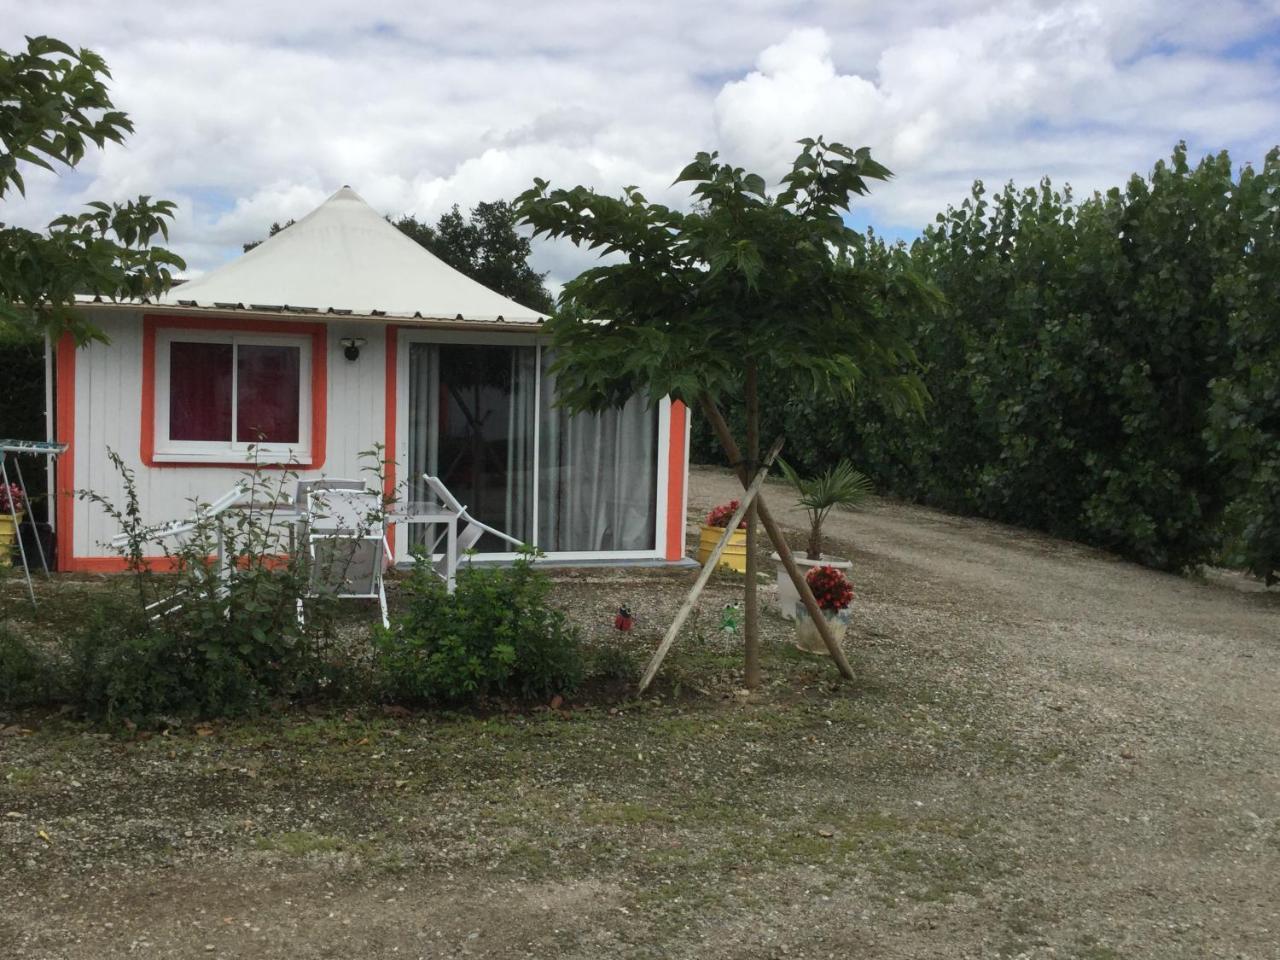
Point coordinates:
[(200, 391), (267, 387)]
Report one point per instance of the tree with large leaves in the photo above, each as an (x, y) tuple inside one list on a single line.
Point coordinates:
[(696, 304), (54, 103)]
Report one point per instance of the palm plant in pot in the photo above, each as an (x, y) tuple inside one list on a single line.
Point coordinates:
[(840, 487)]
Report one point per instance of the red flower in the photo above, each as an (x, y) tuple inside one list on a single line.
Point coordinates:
[(721, 515), (11, 500), (830, 588)]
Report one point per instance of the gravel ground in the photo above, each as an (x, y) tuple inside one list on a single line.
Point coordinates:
[(1047, 753)]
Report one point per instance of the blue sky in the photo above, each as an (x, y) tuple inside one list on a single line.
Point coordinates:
[(251, 112)]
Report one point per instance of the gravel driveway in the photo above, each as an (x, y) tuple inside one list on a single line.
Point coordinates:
[(1047, 753), (1168, 690)]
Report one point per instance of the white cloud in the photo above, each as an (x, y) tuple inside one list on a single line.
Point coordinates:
[(249, 113)]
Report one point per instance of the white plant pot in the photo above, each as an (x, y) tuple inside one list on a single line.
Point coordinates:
[(809, 639), (788, 595)]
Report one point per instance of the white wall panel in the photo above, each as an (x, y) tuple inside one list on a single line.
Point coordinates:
[(109, 411)]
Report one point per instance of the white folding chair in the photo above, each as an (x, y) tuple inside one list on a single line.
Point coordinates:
[(298, 533), (223, 566), (346, 542), (462, 532)]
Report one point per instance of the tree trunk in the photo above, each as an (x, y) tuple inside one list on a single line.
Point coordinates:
[(751, 596), (775, 534)]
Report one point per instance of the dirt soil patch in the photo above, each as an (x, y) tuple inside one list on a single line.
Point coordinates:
[(1047, 753)]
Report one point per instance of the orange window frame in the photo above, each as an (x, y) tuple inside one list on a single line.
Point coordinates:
[(319, 386)]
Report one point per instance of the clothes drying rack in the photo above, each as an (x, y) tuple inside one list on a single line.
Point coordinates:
[(18, 449)]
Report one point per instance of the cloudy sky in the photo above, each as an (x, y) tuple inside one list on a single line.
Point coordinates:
[(249, 112)]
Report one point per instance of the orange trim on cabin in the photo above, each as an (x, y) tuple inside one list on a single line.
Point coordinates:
[(675, 481), (64, 472), (319, 333), (115, 564), (159, 564), (391, 345)]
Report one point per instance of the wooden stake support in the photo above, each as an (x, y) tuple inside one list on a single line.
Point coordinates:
[(708, 568), (779, 541)]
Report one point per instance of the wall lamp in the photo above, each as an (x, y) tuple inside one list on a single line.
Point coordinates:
[(351, 347)]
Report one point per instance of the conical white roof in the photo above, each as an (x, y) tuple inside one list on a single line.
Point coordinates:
[(344, 256)]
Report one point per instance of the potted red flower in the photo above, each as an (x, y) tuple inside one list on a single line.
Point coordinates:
[(834, 593), (840, 488), (13, 507), (735, 553)]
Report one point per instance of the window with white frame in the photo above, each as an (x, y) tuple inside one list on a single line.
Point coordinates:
[(219, 394)]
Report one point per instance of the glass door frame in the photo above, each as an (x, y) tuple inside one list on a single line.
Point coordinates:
[(406, 337)]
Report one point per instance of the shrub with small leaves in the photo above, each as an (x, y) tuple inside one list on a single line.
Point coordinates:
[(195, 642), (26, 673), (495, 635)]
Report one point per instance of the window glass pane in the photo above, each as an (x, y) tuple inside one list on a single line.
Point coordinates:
[(200, 391), (267, 391), (597, 475)]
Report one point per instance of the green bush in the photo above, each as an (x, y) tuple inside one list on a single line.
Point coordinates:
[(217, 656), (191, 644), (496, 635), (27, 675), (1106, 369)]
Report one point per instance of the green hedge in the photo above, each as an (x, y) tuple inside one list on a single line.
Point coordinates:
[(1105, 370)]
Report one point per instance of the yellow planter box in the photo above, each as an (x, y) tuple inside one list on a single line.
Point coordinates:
[(8, 536), (735, 553)]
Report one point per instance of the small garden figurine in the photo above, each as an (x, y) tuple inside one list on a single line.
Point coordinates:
[(731, 617), (840, 487), (624, 620)]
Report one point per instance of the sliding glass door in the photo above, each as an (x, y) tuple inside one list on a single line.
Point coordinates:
[(483, 418), (597, 476)]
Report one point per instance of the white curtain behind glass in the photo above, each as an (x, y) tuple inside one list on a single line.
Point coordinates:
[(520, 452), (597, 476), (428, 388), (424, 386)]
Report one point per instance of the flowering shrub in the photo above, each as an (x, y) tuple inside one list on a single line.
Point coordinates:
[(830, 588), (11, 500), (721, 515)]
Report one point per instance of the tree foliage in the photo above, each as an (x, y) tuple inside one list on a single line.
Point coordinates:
[(486, 247), (693, 297), (696, 304), (1244, 419), (54, 103), (275, 228), (1105, 370)]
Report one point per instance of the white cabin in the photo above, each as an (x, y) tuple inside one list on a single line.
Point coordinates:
[(332, 336)]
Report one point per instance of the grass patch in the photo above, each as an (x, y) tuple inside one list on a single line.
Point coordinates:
[(21, 778), (300, 843)]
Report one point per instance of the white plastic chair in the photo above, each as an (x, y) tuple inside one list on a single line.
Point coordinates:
[(223, 566), (346, 543), (462, 531)]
